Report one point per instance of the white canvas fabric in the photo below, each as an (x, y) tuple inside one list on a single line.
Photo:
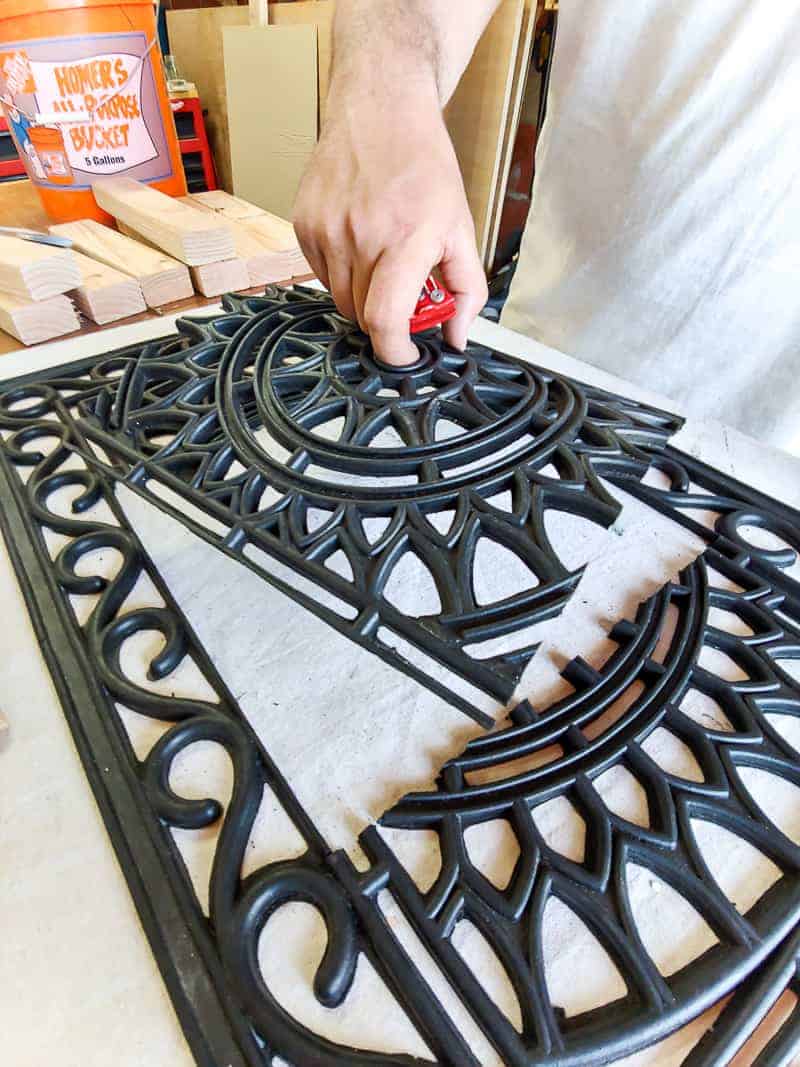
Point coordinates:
[(664, 240)]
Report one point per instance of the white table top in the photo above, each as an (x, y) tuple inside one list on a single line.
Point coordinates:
[(80, 986)]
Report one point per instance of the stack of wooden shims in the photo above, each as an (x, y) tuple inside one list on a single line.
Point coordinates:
[(40, 287), (261, 153), (34, 279), (161, 279), (215, 242), (267, 244), (204, 244), (228, 245)]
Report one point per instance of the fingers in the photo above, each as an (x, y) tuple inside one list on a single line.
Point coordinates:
[(311, 249), (316, 261), (463, 275), (340, 273), (394, 289)]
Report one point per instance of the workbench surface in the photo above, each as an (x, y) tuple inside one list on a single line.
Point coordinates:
[(80, 986)]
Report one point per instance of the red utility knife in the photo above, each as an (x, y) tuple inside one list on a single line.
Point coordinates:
[(435, 306)]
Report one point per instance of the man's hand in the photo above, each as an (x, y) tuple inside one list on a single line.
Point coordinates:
[(383, 202)]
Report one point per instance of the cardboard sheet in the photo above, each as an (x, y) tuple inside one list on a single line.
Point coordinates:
[(272, 135)]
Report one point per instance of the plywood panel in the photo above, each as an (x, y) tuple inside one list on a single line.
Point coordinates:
[(477, 113), (271, 79), (195, 39), (520, 82)]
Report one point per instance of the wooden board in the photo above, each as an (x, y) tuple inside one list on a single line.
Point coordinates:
[(214, 279), (277, 232), (32, 271), (520, 83), (209, 279), (162, 279), (271, 78), (273, 234), (181, 231), (232, 208), (105, 294), (264, 264), (478, 111), (33, 322)]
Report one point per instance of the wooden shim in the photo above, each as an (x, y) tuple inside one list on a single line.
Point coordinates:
[(232, 208), (184, 232), (162, 279), (214, 279), (271, 145), (105, 294), (209, 279), (477, 113), (274, 234), (33, 271), (274, 231), (33, 322), (520, 82), (264, 264)]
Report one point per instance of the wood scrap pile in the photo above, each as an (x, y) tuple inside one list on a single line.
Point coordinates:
[(163, 250), (163, 280), (227, 243), (33, 282)]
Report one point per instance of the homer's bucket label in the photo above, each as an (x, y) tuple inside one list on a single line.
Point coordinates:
[(82, 107)]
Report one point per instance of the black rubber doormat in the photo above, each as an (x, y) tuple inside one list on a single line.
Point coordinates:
[(272, 433)]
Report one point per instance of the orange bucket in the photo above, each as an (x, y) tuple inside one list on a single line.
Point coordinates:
[(83, 90)]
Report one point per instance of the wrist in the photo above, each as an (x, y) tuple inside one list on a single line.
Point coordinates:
[(359, 108), (389, 78)]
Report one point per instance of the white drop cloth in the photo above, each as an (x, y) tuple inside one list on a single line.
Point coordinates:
[(664, 239)]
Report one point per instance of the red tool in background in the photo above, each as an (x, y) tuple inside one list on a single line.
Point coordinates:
[(435, 306)]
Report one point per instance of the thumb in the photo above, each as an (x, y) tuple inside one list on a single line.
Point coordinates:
[(463, 275)]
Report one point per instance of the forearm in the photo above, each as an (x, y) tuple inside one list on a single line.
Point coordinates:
[(398, 49)]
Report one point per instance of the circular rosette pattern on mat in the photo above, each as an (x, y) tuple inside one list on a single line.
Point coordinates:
[(438, 513)]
